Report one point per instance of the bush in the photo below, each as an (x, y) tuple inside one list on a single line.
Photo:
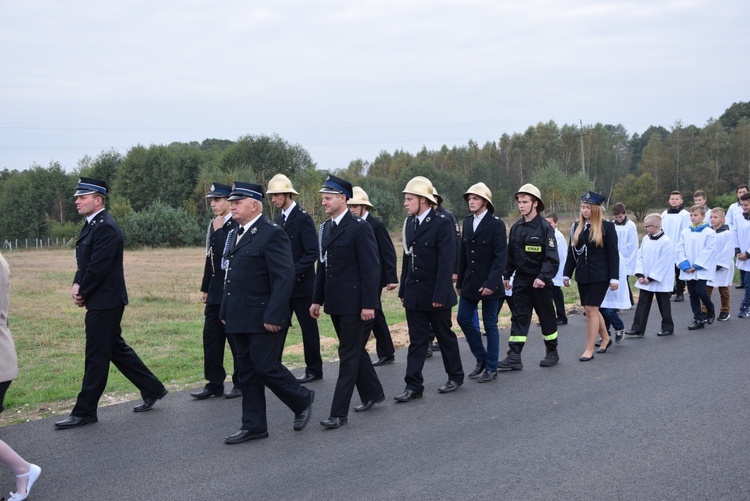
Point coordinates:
[(162, 226), (723, 201)]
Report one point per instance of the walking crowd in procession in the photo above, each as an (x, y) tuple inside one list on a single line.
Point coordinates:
[(258, 273)]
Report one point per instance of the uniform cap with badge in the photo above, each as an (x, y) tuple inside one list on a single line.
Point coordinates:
[(593, 198), (481, 190), (530, 189), (89, 185), (280, 184), (242, 190), (219, 190), (336, 185), (422, 187), (360, 198)]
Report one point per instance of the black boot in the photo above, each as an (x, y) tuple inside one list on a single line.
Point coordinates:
[(551, 359), (513, 360)]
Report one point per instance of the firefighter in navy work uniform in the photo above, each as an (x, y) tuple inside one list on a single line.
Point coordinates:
[(212, 288), (533, 257)]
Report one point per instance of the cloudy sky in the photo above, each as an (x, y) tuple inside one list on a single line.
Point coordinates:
[(347, 80)]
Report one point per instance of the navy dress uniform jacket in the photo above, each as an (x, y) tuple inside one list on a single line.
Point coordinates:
[(483, 257), (259, 279), (597, 264), (427, 273), (300, 229), (386, 251), (99, 273), (213, 276), (347, 282)]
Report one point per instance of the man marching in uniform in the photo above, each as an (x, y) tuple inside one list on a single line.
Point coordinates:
[(300, 229), (99, 286), (255, 309), (212, 288), (359, 204), (484, 254), (346, 283), (426, 289), (533, 257)]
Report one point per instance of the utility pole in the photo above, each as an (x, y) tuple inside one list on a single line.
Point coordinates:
[(583, 163)]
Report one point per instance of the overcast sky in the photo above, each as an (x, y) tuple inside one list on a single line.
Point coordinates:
[(346, 80)]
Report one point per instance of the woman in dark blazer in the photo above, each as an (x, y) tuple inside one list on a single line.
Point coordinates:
[(594, 257)]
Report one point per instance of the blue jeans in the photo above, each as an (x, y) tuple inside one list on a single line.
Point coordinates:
[(612, 318), (745, 305), (465, 317), (698, 295)]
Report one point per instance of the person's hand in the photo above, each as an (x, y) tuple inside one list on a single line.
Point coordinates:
[(437, 305), (613, 287), (367, 314), (485, 291), (315, 311), (538, 283), (507, 284), (566, 282), (204, 297), (272, 327), (391, 287)]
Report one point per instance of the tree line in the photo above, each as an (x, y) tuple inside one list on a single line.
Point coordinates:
[(158, 191)]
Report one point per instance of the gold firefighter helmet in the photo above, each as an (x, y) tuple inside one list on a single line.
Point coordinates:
[(422, 187), (530, 189), (359, 198), (481, 190), (280, 184)]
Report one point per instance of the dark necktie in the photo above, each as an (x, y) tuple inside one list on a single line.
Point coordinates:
[(416, 224), (333, 225), (283, 219), (241, 231)]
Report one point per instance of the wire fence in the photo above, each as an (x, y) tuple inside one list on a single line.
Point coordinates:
[(14, 244)]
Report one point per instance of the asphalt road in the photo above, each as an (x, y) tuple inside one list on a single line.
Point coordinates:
[(653, 418)]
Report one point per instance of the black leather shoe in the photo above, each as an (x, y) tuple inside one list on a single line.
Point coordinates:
[(233, 393), (679, 298), (244, 436), (308, 378), (710, 318), (450, 386), (618, 336), (384, 360), (697, 324), (206, 393), (630, 332), (586, 359), (603, 349), (148, 403), (429, 350), (334, 422), (366, 406), (665, 333), (488, 376), (435, 346), (407, 396), (74, 422), (477, 371), (301, 419)]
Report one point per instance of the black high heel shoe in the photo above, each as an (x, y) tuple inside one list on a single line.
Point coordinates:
[(603, 349)]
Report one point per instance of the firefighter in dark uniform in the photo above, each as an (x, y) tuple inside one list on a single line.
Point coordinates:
[(426, 289), (212, 288), (300, 228), (532, 256), (440, 209), (359, 205)]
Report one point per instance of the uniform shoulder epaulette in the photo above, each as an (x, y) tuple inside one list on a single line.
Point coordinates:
[(358, 219), (440, 215), (496, 217)]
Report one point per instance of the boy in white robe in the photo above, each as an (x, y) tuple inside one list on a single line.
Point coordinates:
[(673, 221), (724, 265), (627, 243), (696, 258), (654, 270)]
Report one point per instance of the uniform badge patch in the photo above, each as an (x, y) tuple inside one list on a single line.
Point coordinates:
[(551, 243)]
